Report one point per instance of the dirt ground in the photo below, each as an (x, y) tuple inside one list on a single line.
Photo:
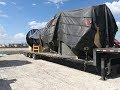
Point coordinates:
[(18, 72)]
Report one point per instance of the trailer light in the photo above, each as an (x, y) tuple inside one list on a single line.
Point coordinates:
[(111, 50), (99, 50), (104, 50)]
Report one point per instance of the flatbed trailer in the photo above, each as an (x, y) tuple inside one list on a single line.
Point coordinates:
[(76, 33), (105, 56)]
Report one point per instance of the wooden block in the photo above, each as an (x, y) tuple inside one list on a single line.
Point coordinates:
[(37, 48)]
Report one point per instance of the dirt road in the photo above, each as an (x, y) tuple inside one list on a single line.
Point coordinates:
[(18, 72)]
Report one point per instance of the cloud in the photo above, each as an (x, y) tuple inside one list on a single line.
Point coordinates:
[(5, 38), (19, 38), (2, 32), (56, 2), (48, 3), (19, 8), (118, 33), (37, 25), (114, 7), (2, 3), (0, 11), (34, 4), (118, 24), (19, 35), (13, 3), (2, 14)]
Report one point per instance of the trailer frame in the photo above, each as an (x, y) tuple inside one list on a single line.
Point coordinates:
[(105, 56)]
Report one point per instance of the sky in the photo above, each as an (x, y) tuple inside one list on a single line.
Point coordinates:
[(17, 17)]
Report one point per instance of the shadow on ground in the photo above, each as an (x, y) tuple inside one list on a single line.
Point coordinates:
[(10, 63), (5, 84)]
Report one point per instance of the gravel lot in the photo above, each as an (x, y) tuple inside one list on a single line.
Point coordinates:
[(18, 72)]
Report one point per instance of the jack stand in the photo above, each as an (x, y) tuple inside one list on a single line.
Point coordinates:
[(86, 57)]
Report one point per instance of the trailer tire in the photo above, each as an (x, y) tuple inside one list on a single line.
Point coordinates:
[(27, 54), (30, 55), (35, 56)]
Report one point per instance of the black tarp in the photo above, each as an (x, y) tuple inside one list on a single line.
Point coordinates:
[(82, 28), (33, 37)]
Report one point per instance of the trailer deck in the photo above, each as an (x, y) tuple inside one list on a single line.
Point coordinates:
[(105, 55), (53, 56)]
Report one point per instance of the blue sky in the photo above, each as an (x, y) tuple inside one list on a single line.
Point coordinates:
[(17, 17)]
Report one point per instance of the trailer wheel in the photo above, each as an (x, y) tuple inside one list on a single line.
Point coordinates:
[(30, 55), (27, 54), (35, 56)]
